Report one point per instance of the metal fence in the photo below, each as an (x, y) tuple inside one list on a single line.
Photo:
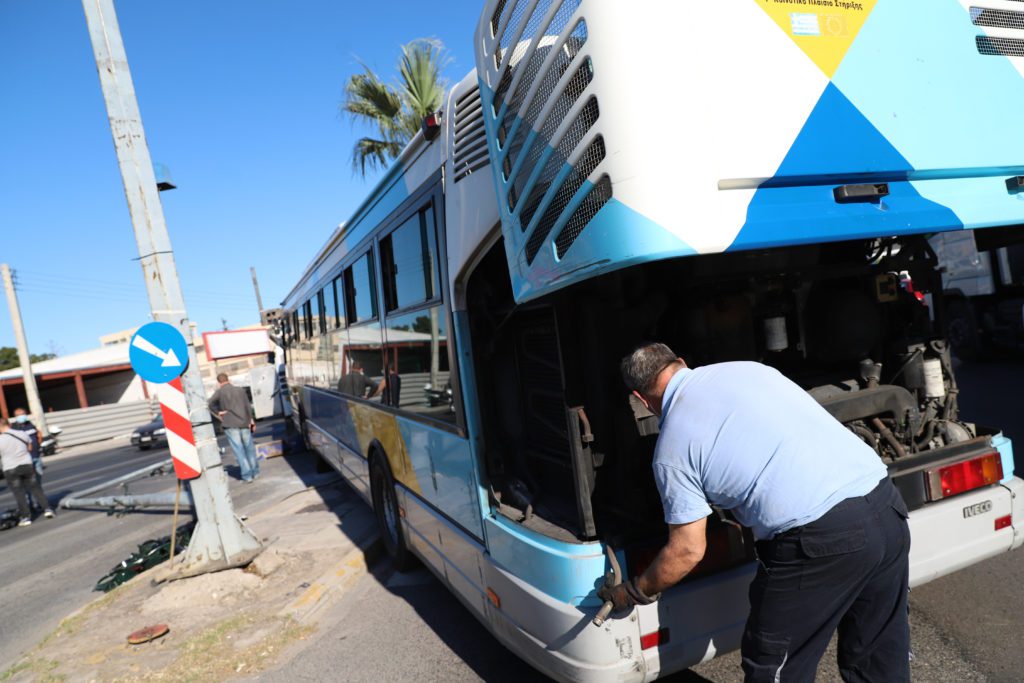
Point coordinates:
[(85, 425)]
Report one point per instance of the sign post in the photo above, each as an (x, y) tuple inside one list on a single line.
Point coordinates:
[(220, 540)]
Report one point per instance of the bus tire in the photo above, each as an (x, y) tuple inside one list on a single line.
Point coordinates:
[(385, 509), (962, 329)]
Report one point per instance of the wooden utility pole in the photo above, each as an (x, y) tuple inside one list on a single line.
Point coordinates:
[(256, 286), (220, 539), (35, 406)]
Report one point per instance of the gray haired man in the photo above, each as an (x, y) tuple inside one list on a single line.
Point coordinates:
[(831, 529)]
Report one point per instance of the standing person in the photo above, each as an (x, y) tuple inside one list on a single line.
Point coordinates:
[(16, 463), (231, 405), (830, 528), (23, 423)]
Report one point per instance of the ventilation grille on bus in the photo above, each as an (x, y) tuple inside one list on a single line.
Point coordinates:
[(535, 95), (1007, 47), (1000, 19), (470, 153)]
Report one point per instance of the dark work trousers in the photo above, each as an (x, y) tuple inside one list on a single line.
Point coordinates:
[(20, 479), (847, 570)]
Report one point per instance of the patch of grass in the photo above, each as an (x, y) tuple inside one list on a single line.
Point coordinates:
[(43, 668), (209, 656)]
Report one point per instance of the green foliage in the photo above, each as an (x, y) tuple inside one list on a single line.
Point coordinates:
[(9, 357), (396, 111)]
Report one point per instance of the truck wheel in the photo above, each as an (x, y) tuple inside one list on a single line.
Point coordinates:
[(385, 507), (962, 330)]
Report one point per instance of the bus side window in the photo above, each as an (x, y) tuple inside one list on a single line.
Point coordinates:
[(409, 262), (417, 379), (418, 376), (359, 355)]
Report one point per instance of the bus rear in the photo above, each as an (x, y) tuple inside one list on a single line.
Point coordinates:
[(743, 179)]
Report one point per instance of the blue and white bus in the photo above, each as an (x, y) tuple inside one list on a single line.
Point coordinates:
[(742, 179)]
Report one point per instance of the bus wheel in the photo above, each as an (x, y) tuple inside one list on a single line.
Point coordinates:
[(385, 508), (962, 329)]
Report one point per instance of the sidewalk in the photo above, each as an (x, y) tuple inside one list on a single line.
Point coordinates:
[(231, 623)]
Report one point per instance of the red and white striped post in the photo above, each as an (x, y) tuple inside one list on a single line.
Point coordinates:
[(180, 439)]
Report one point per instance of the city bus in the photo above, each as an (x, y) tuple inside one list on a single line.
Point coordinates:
[(742, 179)]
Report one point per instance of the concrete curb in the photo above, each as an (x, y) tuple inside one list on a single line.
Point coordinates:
[(332, 584)]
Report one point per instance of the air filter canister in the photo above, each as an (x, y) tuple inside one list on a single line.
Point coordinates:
[(775, 336), (934, 386)]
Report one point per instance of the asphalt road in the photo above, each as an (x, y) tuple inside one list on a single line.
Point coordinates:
[(966, 627), (48, 569)]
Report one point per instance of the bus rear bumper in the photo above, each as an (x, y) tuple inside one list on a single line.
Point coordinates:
[(952, 534)]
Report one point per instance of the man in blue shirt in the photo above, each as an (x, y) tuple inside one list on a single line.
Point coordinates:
[(831, 530)]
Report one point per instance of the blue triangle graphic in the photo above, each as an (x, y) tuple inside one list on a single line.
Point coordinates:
[(838, 140), (837, 145)]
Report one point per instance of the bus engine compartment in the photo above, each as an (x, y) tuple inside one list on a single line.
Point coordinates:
[(856, 324)]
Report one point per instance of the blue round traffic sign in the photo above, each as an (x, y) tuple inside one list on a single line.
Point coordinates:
[(158, 353)]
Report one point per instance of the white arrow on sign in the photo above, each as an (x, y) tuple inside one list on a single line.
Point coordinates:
[(169, 358)]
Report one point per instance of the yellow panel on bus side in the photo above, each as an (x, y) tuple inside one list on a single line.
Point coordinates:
[(373, 423)]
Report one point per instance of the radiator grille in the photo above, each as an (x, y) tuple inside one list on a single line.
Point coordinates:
[(1007, 47), (496, 17), (997, 18), (597, 198), (532, 68), (570, 186), (511, 31), (555, 161), (470, 148), (540, 372), (541, 114), (543, 95)]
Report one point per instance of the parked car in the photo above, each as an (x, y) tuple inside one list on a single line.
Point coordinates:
[(149, 435)]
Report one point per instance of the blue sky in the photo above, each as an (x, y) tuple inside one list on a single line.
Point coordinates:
[(239, 101)]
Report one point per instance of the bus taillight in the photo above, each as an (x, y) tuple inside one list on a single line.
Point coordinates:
[(649, 640), (949, 480)]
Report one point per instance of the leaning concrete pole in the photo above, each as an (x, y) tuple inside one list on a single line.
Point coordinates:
[(220, 540), (35, 406)]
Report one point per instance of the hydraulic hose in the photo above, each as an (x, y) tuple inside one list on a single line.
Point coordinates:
[(613, 578)]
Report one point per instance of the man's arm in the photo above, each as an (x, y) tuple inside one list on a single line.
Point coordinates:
[(684, 549), (214, 404)]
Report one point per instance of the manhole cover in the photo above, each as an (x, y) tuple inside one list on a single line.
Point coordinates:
[(144, 635)]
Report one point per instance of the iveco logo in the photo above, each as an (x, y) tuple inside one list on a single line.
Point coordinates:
[(977, 509)]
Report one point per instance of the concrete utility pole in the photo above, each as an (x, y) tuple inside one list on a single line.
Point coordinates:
[(220, 540), (256, 286), (35, 406)]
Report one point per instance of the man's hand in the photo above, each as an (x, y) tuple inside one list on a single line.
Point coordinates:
[(617, 595), (625, 596)]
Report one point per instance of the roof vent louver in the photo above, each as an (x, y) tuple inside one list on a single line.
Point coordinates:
[(470, 153)]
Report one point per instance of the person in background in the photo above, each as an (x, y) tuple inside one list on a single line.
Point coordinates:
[(355, 383), (23, 423), (16, 463), (231, 406)]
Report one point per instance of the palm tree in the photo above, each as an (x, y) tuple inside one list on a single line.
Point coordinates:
[(396, 111)]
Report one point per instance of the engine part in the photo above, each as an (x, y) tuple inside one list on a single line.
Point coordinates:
[(889, 437), (934, 385), (870, 372), (867, 403)]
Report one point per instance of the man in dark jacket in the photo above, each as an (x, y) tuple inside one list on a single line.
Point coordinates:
[(230, 404)]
